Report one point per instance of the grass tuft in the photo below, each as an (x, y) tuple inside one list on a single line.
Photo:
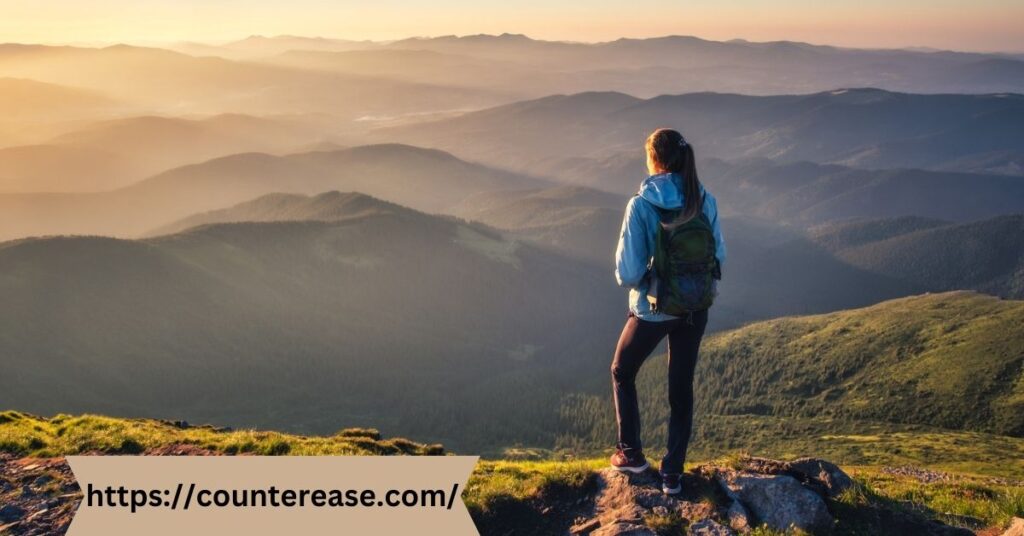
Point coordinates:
[(670, 524)]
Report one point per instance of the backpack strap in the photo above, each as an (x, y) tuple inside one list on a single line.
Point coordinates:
[(703, 202)]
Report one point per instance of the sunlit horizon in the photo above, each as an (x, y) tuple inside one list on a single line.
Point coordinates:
[(142, 42), (989, 26)]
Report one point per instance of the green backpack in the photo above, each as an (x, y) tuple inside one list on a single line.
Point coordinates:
[(685, 265)]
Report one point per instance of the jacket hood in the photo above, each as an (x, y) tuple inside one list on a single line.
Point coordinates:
[(663, 191)]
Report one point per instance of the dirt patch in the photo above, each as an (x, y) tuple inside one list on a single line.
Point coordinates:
[(39, 496)]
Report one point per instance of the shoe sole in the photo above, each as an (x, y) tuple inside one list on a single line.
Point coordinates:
[(671, 491), (634, 470)]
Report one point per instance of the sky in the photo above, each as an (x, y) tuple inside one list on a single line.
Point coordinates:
[(979, 25)]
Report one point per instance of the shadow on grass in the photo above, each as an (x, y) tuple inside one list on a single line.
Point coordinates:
[(860, 510)]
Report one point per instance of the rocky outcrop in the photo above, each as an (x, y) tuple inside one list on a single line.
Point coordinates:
[(780, 494), (785, 495), (733, 499), (628, 497), (37, 496), (779, 501), (627, 504), (719, 500), (821, 475)]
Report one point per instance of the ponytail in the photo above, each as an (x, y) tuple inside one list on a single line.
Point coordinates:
[(671, 152)]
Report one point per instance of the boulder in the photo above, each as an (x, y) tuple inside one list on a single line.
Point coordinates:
[(822, 475), (826, 474), (779, 501)]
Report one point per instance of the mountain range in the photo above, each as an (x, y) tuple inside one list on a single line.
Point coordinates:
[(311, 233), (447, 314), (642, 67), (104, 155), (423, 179), (804, 193), (23, 99), (774, 268), (433, 327), (386, 315), (865, 128), (354, 79), (807, 193), (31, 111), (164, 82)]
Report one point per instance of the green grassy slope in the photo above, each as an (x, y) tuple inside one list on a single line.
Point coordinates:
[(945, 361), (860, 443), (984, 255), (952, 360)]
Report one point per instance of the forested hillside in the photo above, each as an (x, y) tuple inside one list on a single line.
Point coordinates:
[(391, 318), (952, 361), (985, 255)]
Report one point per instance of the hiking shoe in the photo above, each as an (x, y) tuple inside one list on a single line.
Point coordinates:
[(670, 483), (632, 462)]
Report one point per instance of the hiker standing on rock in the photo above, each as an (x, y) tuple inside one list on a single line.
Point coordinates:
[(670, 255)]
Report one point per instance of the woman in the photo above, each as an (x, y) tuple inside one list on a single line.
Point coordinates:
[(671, 196)]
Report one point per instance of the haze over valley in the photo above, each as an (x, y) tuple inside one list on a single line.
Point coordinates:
[(418, 234)]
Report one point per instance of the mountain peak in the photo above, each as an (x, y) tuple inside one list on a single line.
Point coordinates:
[(278, 207), (472, 38), (507, 37), (860, 95)]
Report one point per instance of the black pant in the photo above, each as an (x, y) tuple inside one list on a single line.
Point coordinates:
[(639, 338)]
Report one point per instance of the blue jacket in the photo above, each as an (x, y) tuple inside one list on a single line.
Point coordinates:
[(635, 251)]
